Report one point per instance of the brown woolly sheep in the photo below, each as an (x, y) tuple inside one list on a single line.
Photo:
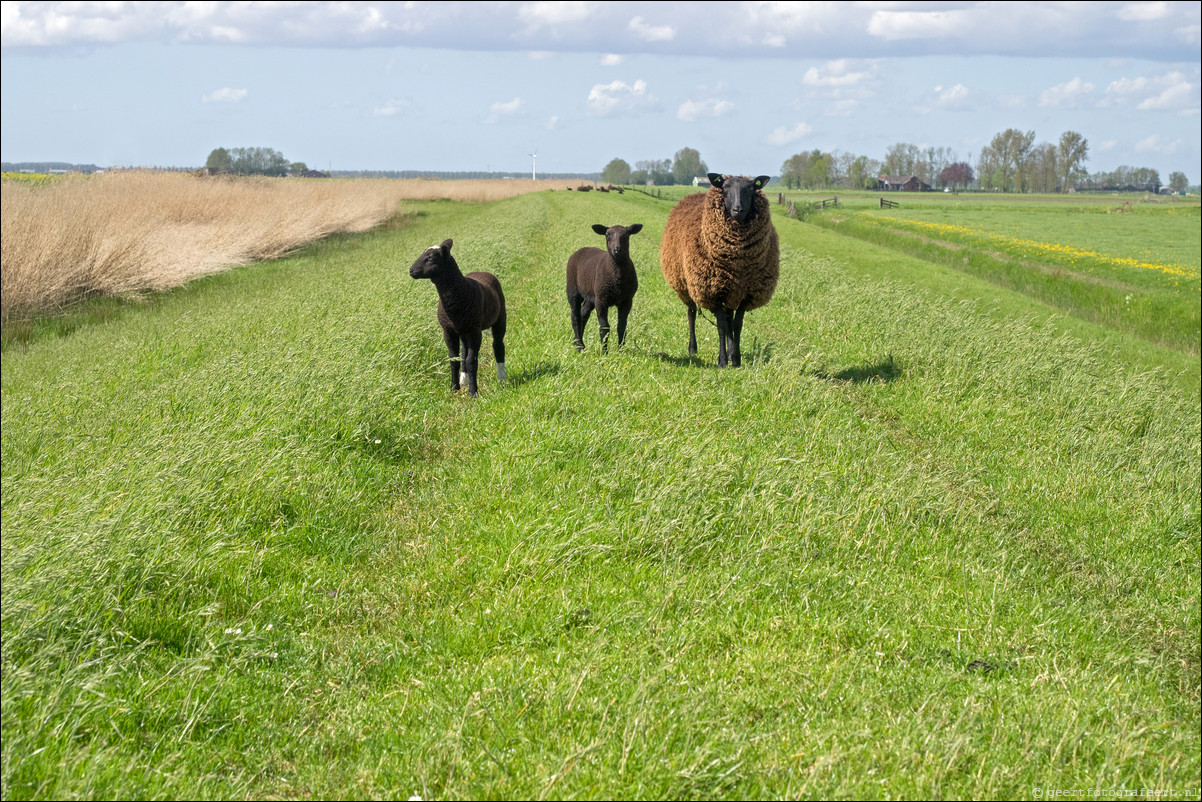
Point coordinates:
[(720, 252), (466, 306)]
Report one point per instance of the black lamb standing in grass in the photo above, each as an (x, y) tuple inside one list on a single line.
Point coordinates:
[(600, 279), (467, 305)]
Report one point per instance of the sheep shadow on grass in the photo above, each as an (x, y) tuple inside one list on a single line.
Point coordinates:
[(757, 353), (884, 371), (532, 374)]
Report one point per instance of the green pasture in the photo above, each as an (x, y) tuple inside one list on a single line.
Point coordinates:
[(936, 538)]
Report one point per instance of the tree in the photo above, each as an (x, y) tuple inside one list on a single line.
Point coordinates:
[(902, 159), (298, 168), (818, 171), (1042, 172), (687, 165), (1004, 161), (1177, 181), (657, 171), (219, 161), (616, 172), (956, 174), (793, 170), (1071, 153)]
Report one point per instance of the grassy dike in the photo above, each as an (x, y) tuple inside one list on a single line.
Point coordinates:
[(923, 544)]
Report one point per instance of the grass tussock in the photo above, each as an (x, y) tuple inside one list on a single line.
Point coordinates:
[(123, 234)]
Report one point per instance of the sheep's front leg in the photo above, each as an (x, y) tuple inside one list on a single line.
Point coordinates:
[(471, 358), (736, 331), (692, 330), (723, 316), (452, 341), (623, 314), (574, 302), (603, 323)]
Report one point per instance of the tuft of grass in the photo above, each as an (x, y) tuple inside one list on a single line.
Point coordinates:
[(924, 543)]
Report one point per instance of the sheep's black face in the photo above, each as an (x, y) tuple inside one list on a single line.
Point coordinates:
[(431, 262), (738, 194), (617, 238)]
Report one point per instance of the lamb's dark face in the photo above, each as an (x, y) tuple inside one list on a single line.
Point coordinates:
[(738, 194), (432, 261), (617, 238)]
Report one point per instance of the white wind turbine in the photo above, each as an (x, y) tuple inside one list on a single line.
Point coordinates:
[(533, 165)]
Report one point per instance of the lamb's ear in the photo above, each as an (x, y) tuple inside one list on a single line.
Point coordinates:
[(634, 229), (600, 229), (761, 181), (716, 180), (446, 246)]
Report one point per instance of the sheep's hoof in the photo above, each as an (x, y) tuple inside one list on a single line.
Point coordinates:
[(501, 371)]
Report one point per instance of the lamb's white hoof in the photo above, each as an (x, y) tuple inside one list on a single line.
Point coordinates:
[(463, 379), (500, 371)]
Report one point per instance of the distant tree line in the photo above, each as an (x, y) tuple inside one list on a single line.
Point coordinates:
[(252, 161), (47, 167), (451, 175), (1012, 162), (682, 168)]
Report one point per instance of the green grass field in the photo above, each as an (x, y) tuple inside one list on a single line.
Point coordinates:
[(936, 538)]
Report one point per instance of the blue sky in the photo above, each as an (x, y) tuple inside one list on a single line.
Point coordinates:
[(480, 86)]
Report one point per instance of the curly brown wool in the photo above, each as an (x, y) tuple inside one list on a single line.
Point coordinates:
[(720, 252)]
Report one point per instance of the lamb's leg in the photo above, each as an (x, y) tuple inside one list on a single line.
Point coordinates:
[(586, 309), (498, 349), (574, 302), (692, 329), (603, 323), (471, 358), (452, 341), (623, 314), (723, 316), (736, 356)]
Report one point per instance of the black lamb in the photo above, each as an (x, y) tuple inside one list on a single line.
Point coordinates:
[(466, 306), (600, 279)]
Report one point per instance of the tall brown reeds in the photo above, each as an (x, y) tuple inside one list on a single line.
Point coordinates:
[(127, 233)]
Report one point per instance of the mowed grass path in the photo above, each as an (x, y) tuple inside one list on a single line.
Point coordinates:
[(923, 544)]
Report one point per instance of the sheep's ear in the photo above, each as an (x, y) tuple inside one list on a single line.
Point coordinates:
[(446, 246), (716, 180), (634, 229), (761, 181), (600, 229)]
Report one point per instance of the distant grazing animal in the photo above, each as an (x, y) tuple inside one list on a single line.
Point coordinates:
[(601, 279), (466, 306), (720, 252)]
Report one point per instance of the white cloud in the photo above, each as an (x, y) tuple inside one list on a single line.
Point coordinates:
[(1066, 95), (774, 40), (505, 109), (839, 73), (1169, 92), (1143, 12), (693, 110), (538, 15), (611, 60), (226, 95), (552, 123), (391, 108), (902, 25), (787, 136), (541, 55), (952, 97), (1155, 144), (618, 98), (651, 33)]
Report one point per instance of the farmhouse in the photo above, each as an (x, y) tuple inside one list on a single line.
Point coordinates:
[(902, 183)]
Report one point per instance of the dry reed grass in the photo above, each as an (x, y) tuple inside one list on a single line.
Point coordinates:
[(128, 233)]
